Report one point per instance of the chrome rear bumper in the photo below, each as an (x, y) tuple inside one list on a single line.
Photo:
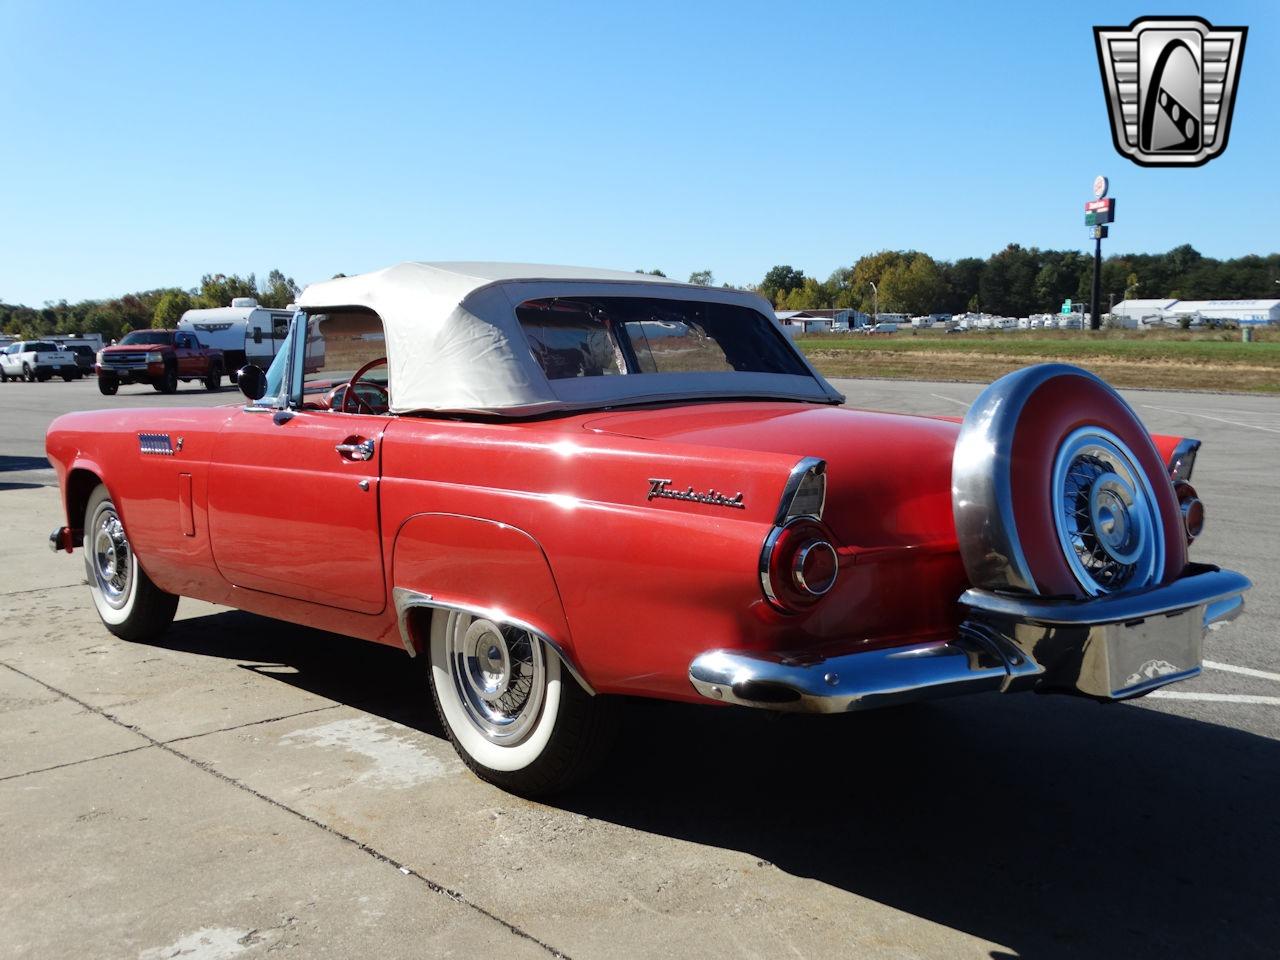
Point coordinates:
[(1111, 648)]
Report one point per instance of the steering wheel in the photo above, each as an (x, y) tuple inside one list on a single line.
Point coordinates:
[(350, 396)]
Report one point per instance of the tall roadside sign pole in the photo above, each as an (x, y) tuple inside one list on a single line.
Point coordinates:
[(1098, 212)]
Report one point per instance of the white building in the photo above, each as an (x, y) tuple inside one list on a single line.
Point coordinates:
[(1172, 312), (1242, 312), (822, 320)]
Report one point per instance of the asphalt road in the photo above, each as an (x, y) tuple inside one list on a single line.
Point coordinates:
[(247, 786)]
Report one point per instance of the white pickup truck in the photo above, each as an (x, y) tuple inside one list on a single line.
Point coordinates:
[(37, 360)]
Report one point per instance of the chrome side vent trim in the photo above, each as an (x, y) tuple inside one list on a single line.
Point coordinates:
[(158, 444)]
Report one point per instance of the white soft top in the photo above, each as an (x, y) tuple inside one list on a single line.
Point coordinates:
[(454, 343)]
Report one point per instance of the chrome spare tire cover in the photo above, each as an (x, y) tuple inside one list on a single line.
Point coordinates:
[(1057, 489)]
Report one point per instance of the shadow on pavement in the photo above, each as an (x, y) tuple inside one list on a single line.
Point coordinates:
[(10, 464), (1057, 827)]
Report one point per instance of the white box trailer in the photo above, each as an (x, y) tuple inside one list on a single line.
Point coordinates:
[(244, 331), (93, 340)]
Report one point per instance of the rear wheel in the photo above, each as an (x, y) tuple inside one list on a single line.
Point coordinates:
[(68, 377), (130, 605), (516, 717), (27, 373), (108, 386), (214, 380)]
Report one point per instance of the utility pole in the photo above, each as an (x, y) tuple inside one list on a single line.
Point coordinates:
[(875, 306)]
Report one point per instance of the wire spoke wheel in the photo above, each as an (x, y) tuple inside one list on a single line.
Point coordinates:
[(499, 674), (1106, 514)]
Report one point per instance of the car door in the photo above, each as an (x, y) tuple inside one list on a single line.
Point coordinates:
[(184, 346), (293, 496), (6, 360)]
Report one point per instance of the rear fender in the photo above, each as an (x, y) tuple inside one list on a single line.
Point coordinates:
[(445, 561)]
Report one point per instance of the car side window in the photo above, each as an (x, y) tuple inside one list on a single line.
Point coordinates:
[(573, 337), (339, 345)]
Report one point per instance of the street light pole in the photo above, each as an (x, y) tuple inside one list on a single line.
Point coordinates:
[(875, 297)]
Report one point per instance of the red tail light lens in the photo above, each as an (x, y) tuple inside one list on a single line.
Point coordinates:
[(1191, 507), (798, 565)]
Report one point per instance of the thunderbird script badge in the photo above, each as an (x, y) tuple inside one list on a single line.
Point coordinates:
[(662, 488), (1170, 84)]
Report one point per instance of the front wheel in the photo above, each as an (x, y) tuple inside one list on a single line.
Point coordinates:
[(516, 717), (130, 605), (169, 382), (108, 387)]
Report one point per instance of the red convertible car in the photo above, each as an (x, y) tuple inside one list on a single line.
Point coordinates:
[(559, 485)]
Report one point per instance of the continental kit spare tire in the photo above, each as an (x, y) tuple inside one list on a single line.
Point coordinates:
[(1058, 490)]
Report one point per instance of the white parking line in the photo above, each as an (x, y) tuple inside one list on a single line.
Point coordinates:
[(1214, 697), (963, 403), (1243, 671), (1205, 416)]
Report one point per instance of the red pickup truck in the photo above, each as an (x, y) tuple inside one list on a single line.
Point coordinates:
[(160, 358)]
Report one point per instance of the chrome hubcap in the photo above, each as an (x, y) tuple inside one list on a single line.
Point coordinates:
[(1106, 515), (110, 560), (500, 675)]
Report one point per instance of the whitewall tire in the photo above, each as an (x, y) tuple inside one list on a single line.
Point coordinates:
[(515, 715), (129, 604)]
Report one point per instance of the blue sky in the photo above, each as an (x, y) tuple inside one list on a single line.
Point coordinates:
[(147, 144)]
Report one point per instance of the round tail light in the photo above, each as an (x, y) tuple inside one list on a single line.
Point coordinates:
[(815, 566), (798, 565), (1191, 507)]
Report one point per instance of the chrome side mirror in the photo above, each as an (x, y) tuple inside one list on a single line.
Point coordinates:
[(253, 381)]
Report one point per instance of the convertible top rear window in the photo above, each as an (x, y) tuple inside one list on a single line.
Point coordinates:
[(605, 336)]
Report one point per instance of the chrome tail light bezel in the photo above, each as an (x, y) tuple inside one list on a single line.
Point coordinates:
[(797, 531)]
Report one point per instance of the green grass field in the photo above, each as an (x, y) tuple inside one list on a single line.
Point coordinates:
[(1195, 360)]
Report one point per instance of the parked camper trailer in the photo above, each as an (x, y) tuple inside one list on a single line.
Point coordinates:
[(244, 332)]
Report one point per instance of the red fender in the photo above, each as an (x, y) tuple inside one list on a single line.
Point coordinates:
[(478, 564)]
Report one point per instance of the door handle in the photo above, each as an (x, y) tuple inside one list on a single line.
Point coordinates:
[(363, 450)]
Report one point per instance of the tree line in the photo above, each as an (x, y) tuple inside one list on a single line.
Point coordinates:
[(1014, 282), (115, 317)]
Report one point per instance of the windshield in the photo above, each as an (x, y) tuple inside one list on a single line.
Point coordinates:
[(606, 336), (275, 373), (147, 336)]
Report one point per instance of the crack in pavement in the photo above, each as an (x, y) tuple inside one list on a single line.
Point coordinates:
[(433, 886), (73, 763), (148, 746), (59, 586), (251, 723)]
